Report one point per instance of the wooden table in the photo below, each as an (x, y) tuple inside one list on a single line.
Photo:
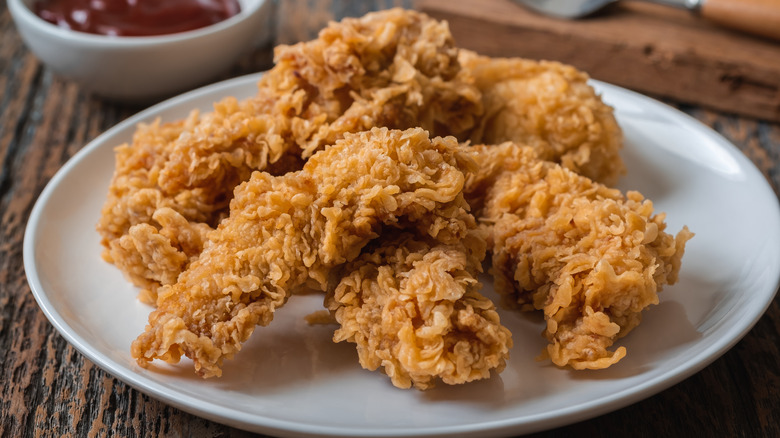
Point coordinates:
[(49, 389)]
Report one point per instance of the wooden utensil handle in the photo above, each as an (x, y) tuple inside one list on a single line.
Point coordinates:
[(759, 17)]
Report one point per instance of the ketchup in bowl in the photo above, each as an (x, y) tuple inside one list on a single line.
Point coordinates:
[(135, 17)]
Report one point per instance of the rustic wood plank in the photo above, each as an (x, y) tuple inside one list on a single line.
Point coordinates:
[(650, 48)]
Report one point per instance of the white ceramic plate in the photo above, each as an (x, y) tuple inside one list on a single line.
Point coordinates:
[(291, 380)]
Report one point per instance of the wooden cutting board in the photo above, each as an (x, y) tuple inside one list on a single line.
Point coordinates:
[(650, 48)]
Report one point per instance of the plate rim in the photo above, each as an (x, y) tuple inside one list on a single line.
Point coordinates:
[(269, 424)]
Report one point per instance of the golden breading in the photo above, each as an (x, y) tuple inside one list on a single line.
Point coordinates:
[(550, 107), (395, 68), (174, 245), (413, 307), (591, 258), (291, 230), (314, 184)]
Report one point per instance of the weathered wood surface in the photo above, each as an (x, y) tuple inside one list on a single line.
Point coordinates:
[(47, 388), (646, 47)]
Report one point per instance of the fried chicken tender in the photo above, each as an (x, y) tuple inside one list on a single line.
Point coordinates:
[(146, 253), (412, 305), (550, 107), (395, 68), (586, 255), (291, 230)]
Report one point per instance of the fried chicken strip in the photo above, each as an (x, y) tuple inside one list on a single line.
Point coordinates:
[(550, 107), (394, 68), (586, 255), (291, 230), (412, 306)]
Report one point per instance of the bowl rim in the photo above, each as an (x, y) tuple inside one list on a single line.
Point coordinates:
[(20, 9)]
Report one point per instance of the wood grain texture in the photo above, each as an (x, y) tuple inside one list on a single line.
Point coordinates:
[(49, 389), (646, 47)]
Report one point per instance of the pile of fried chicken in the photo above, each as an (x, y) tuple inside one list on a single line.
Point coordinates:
[(380, 164)]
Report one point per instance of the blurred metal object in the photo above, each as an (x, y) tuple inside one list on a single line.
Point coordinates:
[(757, 17), (582, 8)]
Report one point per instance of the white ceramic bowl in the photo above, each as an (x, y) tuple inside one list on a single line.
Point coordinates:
[(143, 68)]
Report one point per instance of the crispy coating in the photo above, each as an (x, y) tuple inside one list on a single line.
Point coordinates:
[(395, 68), (412, 306), (173, 246), (550, 107), (291, 230), (586, 255), (146, 253), (223, 261)]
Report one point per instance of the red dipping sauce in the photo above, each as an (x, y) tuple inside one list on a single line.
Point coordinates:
[(135, 17)]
